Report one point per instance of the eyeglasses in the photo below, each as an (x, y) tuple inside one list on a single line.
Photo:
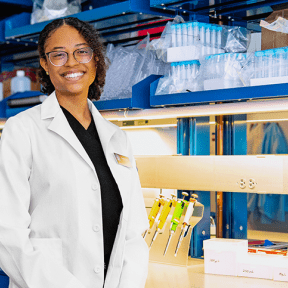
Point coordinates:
[(59, 58)]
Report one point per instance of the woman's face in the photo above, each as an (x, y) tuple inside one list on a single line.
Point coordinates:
[(73, 78)]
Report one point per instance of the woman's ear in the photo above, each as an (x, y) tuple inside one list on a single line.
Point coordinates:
[(44, 64)]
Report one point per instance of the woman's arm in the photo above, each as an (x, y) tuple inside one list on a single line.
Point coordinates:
[(25, 266)]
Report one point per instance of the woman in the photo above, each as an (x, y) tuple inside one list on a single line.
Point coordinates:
[(71, 207)]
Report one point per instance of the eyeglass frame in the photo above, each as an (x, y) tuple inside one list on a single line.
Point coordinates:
[(48, 53)]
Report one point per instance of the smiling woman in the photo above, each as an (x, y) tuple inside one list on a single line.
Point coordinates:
[(72, 216), (90, 38)]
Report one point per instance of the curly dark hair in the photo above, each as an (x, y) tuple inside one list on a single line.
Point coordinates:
[(91, 35)]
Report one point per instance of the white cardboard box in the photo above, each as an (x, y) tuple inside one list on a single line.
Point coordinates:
[(268, 81), (184, 53), (221, 255), (256, 266), (280, 269)]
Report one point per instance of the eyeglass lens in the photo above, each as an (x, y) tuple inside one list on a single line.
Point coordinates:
[(59, 58)]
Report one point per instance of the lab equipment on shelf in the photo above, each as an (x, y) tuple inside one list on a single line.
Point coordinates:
[(20, 83), (194, 40), (266, 67), (182, 78), (173, 214), (169, 202), (221, 71), (44, 10)]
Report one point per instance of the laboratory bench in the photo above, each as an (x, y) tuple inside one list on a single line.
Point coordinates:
[(193, 276)]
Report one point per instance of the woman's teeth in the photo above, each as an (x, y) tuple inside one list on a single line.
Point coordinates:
[(73, 75)]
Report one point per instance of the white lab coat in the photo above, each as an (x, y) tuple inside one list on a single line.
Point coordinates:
[(50, 205)]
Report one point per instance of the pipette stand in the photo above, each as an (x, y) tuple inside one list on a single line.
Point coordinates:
[(158, 247)]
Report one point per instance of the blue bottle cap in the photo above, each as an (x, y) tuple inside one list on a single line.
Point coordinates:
[(268, 52)]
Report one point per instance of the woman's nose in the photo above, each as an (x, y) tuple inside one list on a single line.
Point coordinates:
[(71, 61)]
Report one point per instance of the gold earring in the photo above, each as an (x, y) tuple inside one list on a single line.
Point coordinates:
[(47, 72)]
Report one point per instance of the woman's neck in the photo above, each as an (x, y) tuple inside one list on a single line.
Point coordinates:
[(77, 105)]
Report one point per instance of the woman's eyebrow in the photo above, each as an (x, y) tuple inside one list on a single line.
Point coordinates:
[(80, 44)]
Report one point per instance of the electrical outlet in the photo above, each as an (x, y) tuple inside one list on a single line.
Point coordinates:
[(252, 183), (242, 183)]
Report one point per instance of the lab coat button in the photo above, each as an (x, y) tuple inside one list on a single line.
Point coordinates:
[(94, 187), (96, 228), (97, 269)]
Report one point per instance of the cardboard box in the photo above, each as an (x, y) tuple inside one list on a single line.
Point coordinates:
[(221, 255), (271, 39), (280, 269), (256, 266), (6, 77)]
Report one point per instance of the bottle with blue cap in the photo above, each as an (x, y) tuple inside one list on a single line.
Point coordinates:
[(190, 33), (208, 39), (178, 35), (219, 38), (213, 39), (173, 35), (202, 28), (268, 63), (184, 34), (196, 33), (281, 62)]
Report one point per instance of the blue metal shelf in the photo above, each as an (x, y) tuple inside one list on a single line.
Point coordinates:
[(221, 95), (19, 27), (140, 97)]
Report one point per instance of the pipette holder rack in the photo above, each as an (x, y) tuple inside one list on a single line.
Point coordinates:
[(159, 244)]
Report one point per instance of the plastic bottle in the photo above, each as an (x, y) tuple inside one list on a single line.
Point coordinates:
[(173, 35), (213, 39), (196, 30), (190, 34), (179, 35), (261, 70), (208, 39), (268, 63), (20, 83), (202, 28), (173, 70), (184, 34), (280, 62), (219, 38)]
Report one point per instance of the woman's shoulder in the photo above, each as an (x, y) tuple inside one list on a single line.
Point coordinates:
[(28, 117)]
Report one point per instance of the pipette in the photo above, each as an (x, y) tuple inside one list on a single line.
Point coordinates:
[(163, 216), (187, 217), (154, 212), (176, 218)]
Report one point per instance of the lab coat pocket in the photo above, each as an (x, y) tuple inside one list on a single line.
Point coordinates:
[(49, 247)]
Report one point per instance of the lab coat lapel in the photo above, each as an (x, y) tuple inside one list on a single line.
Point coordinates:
[(105, 128), (59, 124)]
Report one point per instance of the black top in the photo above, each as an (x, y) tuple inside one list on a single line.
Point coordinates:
[(111, 200)]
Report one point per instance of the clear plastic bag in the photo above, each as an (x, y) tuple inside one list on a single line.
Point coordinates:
[(266, 67), (222, 71), (125, 70), (279, 25), (161, 44), (200, 39), (236, 39), (181, 78), (44, 10)]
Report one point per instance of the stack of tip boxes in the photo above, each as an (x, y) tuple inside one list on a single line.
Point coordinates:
[(231, 257)]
